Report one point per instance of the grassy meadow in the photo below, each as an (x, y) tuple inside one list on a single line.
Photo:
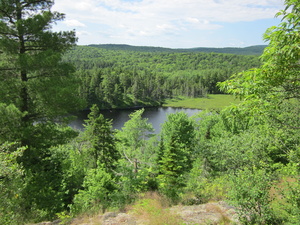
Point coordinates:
[(211, 102)]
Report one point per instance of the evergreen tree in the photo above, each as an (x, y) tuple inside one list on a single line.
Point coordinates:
[(175, 153), (100, 135), (38, 88), (33, 76)]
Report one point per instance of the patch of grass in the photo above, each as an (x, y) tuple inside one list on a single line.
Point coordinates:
[(151, 209), (211, 102)]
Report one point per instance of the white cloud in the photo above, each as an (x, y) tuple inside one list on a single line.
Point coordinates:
[(166, 27), (73, 23), (162, 17), (155, 12), (192, 20), (83, 33)]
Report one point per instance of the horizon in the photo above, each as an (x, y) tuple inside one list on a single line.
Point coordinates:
[(170, 48)]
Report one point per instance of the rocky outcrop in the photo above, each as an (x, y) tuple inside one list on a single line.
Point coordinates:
[(209, 213)]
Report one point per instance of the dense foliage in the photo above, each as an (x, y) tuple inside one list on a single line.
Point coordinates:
[(37, 90), (120, 78), (246, 154)]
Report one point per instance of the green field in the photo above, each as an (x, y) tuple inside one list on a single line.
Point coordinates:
[(211, 102)]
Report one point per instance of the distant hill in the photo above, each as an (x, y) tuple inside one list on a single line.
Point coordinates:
[(251, 50), (133, 48)]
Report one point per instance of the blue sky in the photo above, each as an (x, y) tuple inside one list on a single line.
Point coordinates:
[(169, 23)]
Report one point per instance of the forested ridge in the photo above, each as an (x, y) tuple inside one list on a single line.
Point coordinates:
[(246, 154), (123, 78), (251, 50)]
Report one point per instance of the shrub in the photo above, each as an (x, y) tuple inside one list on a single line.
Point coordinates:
[(250, 192), (97, 193)]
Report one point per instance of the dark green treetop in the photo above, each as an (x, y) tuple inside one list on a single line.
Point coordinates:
[(102, 143), (33, 76)]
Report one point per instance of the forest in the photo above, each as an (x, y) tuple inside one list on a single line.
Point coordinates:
[(246, 154), (114, 78)]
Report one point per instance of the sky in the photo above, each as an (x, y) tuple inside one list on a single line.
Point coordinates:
[(169, 23)]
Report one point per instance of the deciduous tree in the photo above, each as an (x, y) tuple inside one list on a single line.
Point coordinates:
[(273, 90)]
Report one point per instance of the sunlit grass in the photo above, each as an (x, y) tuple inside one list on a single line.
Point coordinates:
[(151, 209), (211, 102)]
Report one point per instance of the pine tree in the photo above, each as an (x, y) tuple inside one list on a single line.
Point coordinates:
[(100, 135), (175, 153), (37, 90), (33, 76)]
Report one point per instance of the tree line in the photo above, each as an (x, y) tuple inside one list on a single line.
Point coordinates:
[(251, 50)]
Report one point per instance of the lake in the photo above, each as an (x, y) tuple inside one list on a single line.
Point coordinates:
[(156, 116)]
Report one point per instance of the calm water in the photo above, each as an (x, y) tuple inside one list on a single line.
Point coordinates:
[(156, 116)]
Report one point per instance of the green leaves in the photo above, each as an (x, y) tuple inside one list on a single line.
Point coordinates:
[(266, 126), (250, 192), (271, 86), (98, 189), (11, 184), (10, 122), (133, 137)]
